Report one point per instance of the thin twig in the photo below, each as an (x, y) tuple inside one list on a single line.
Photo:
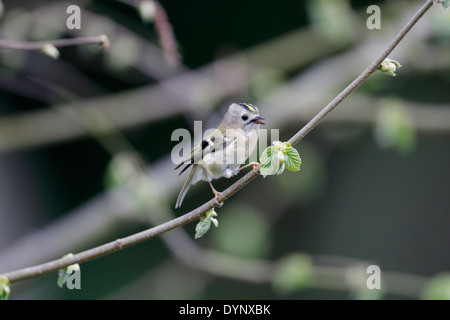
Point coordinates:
[(200, 211), (166, 36), (163, 27), (101, 40)]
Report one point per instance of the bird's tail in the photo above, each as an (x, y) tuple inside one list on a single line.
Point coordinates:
[(185, 187)]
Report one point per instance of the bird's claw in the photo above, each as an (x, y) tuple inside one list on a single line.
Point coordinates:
[(216, 195), (216, 199)]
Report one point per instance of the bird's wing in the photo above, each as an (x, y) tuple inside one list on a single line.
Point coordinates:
[(213, 142)]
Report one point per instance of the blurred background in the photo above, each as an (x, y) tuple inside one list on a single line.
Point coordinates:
[(85, 145)]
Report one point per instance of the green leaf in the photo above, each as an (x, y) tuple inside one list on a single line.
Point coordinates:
[(205, 223), (294, 272), (269, 161), (64, 273), (266, 156), (438, 288), (4, 288), (276, 158), (293, 160)]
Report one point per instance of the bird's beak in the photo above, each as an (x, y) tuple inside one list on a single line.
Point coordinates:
[(258, 120)]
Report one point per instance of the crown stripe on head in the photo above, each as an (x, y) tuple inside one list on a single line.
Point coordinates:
[(248, 106)]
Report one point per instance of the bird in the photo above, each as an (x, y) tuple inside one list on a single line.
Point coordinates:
[(221, 153)]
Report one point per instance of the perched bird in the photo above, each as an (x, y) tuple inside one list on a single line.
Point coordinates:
[(224, 150)]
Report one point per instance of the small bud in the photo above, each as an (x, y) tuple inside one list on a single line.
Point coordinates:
[(104, 42), (281, 157), (277, 144), (389, 66), (147, 10), (50, 50), (205, 223)]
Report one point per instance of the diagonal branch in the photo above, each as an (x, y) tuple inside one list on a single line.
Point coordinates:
[(118, 244)]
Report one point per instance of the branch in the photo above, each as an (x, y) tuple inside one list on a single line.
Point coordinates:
[(101, 40), (200, 211)]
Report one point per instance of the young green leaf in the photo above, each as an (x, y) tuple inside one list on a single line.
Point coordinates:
[(293, 160), (269, 160), (205, 223), (266, 156), (4, 288), (276, 158)]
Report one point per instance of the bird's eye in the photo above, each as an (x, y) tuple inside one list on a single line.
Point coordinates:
[(245, 118)]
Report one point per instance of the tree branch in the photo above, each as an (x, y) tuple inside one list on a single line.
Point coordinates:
[(200, 211), (101, 40)]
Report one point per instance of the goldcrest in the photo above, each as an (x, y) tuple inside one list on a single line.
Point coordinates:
[(221, 153)]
